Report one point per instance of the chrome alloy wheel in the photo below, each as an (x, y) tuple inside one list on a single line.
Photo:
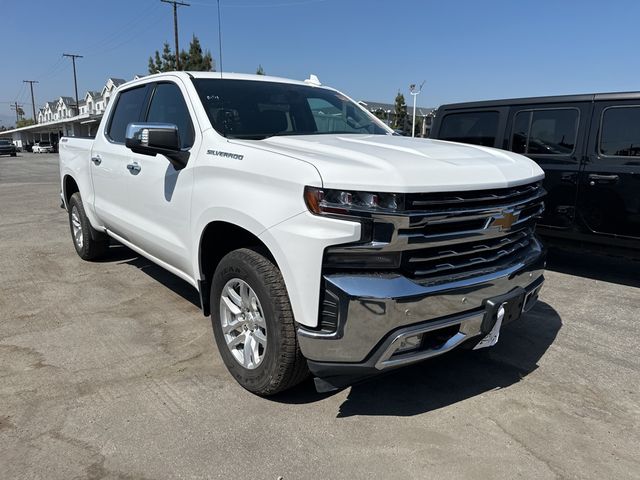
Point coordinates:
[(76, 227), (243, 324)]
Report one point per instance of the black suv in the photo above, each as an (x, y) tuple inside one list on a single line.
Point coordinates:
[(588, 146), (7, 148)]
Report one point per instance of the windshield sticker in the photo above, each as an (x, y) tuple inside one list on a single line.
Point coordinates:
[(219, 153)]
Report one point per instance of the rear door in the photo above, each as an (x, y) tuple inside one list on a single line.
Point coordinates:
[(609, 198), (553, 135)]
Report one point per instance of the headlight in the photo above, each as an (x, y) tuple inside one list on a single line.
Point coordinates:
[(343, 202)]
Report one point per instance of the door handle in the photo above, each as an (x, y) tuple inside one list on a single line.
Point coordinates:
[(594, 177), (133, 167), (96, 159)]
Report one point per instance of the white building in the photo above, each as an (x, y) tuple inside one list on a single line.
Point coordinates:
[(62, 117)]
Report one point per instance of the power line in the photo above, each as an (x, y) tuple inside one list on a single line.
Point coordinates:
[(175, 4)]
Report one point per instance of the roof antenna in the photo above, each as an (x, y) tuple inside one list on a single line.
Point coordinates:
[(313, 80), (220, 38)]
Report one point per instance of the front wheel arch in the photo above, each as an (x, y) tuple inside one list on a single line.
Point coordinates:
[(217, 240)]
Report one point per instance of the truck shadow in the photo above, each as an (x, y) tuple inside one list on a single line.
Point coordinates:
[(589, 264), (451, 378), (419, 388), (123, 255)]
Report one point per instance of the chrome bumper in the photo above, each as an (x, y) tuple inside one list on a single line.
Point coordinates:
[(376, 312)]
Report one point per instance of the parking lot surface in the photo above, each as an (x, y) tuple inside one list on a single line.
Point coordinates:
[(109, 370)]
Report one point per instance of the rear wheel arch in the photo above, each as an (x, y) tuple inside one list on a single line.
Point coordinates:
[(70, 187), (217, 240)]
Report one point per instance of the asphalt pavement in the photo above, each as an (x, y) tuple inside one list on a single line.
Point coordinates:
[(109, 370)]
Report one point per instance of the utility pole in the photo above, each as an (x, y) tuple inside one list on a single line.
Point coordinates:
[(19, 111), (33, 102), (75, 81), (175, 25)]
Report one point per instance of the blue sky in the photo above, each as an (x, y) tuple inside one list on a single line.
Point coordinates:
[(370, 49)]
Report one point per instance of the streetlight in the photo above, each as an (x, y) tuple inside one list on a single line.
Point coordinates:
[(414, 93)]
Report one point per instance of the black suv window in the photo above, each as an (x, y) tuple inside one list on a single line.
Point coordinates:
[(168, 106), (620, 135), (126, 111), (545, 132), (479, 128)]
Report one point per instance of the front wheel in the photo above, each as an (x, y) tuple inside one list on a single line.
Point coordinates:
[(253, 324)]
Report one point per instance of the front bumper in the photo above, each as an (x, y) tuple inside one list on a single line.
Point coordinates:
[(376, 314)]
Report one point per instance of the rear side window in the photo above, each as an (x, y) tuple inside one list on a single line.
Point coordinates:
[(620, 135), (545, 132), (479, 128), (126, 111), (168, 106)]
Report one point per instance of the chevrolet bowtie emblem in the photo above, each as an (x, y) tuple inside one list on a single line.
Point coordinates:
[(504, 221)]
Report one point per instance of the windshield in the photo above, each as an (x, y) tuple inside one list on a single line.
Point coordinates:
[(256, 110)]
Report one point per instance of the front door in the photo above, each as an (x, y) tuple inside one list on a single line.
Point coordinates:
[(109, 160), (160, 194), (553, 136), (609, 197)]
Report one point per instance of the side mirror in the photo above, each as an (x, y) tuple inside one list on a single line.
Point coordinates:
[(154, 138)]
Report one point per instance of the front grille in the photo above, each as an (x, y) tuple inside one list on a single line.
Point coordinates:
[(472, 199), (444, 236), (466, 257), (459, 233)]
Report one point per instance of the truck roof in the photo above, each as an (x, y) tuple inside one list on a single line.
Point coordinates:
[(218, 75), (585, 97)]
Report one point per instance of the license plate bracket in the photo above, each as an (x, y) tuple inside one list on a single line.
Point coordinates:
[(500, 311)]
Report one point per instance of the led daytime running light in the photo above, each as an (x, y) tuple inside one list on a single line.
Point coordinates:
[(341, 202)]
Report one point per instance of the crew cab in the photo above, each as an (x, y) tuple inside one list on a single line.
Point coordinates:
[(587, 145), (317, 239)]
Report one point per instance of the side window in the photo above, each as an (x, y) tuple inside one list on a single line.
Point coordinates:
[(520, 132), (479, 128), (168, 106), (620, 132), (126, 110), (545, 132)]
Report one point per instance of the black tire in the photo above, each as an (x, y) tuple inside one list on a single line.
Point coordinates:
[(94, 243), (283, 365), (14, 154)]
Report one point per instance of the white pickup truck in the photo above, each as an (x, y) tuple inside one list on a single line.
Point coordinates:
[(318, 240)]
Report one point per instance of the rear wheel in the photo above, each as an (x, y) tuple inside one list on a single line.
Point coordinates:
[(90, 244), (253, 324)]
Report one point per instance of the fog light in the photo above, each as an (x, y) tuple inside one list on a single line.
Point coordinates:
[(409, 343)]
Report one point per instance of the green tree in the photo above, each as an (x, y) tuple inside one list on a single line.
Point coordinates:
[(25, 122), (193, 59), (168, 59), (196, 59), (400, 113), (260, 70)]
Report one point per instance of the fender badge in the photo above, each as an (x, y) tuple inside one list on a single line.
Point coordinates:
[(218, 153)]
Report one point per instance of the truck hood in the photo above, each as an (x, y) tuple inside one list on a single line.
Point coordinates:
[(389, 163)]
